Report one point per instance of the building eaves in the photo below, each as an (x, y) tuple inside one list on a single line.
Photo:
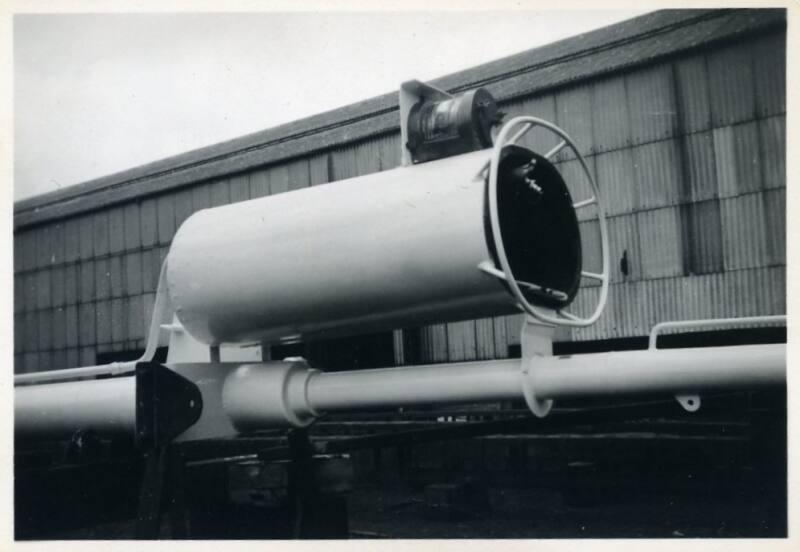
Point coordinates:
[(615, 48)]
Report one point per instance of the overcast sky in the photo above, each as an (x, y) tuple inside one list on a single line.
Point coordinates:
[(97, 94)]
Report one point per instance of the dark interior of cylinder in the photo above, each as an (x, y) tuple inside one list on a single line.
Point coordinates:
[(539, 228)]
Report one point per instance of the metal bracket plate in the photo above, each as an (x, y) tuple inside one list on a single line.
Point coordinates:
[(166, 405)]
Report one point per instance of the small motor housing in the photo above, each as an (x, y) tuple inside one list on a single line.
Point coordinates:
[(453, 125)]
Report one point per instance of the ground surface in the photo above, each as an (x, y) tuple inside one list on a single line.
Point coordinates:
[(402, 513), (523, 514)]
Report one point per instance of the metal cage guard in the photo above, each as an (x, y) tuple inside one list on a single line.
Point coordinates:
[(562, 317)]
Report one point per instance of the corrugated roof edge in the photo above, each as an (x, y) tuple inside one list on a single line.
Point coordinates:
[(508, 78)]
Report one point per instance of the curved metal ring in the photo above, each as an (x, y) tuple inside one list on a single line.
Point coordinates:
[(561, 318)]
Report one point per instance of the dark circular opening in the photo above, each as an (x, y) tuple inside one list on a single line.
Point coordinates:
[(539, 228)]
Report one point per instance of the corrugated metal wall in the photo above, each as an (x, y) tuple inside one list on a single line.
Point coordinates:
[(690, 154)]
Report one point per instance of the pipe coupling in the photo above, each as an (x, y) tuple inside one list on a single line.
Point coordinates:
[(272, 394)]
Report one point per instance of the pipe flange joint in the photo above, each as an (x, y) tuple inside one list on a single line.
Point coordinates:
[(269, 395)]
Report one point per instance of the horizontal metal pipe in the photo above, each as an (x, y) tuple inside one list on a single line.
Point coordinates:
[(661, 371), (713, 322), (279, 394), (415, 385), (51, 376), (107, 406)]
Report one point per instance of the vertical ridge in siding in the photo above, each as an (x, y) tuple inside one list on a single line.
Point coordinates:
[(389, 151), (150, 268), (574, 116), (484, 339), (658, 174), (58, 244), (461, 341), (19, 333), (58, 359), (72, 240), (201, 197), (30, 340), (101, 233), (116, 229), (73, 358), (744, 232), (43, 296), (28, 248), (102, 279), (278, 179), (659, 302), (42, 244), (133, 236), (184, 206), (500, 337), (86, 324), (738, 160), (756, 292), (610, 120), (71, 278), (433, 343), (30, 362), (614, 176), (628, 310), (692, 95), (86, 242), (135, 316), (88, 356), (148, 222), (116, 274), (71, 322), (87, 284), (651, 104), (769, 74), (29, 284), (702, 237), (318, 169), (118, 322), (133, 273), (367, 158), (103, 321), (259, 183), (699, 167), (166, 218), (696, 298), (299, 174), (219, 193), (19, 294), (240, 188), (343, 163), (775, 215), (772, 149), (731, 85), (660, 242)]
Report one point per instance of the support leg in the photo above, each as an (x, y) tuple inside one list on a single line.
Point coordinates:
[(151, 498)]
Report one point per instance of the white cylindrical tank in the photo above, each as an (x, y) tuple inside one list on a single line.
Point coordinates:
[(393, 249)]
